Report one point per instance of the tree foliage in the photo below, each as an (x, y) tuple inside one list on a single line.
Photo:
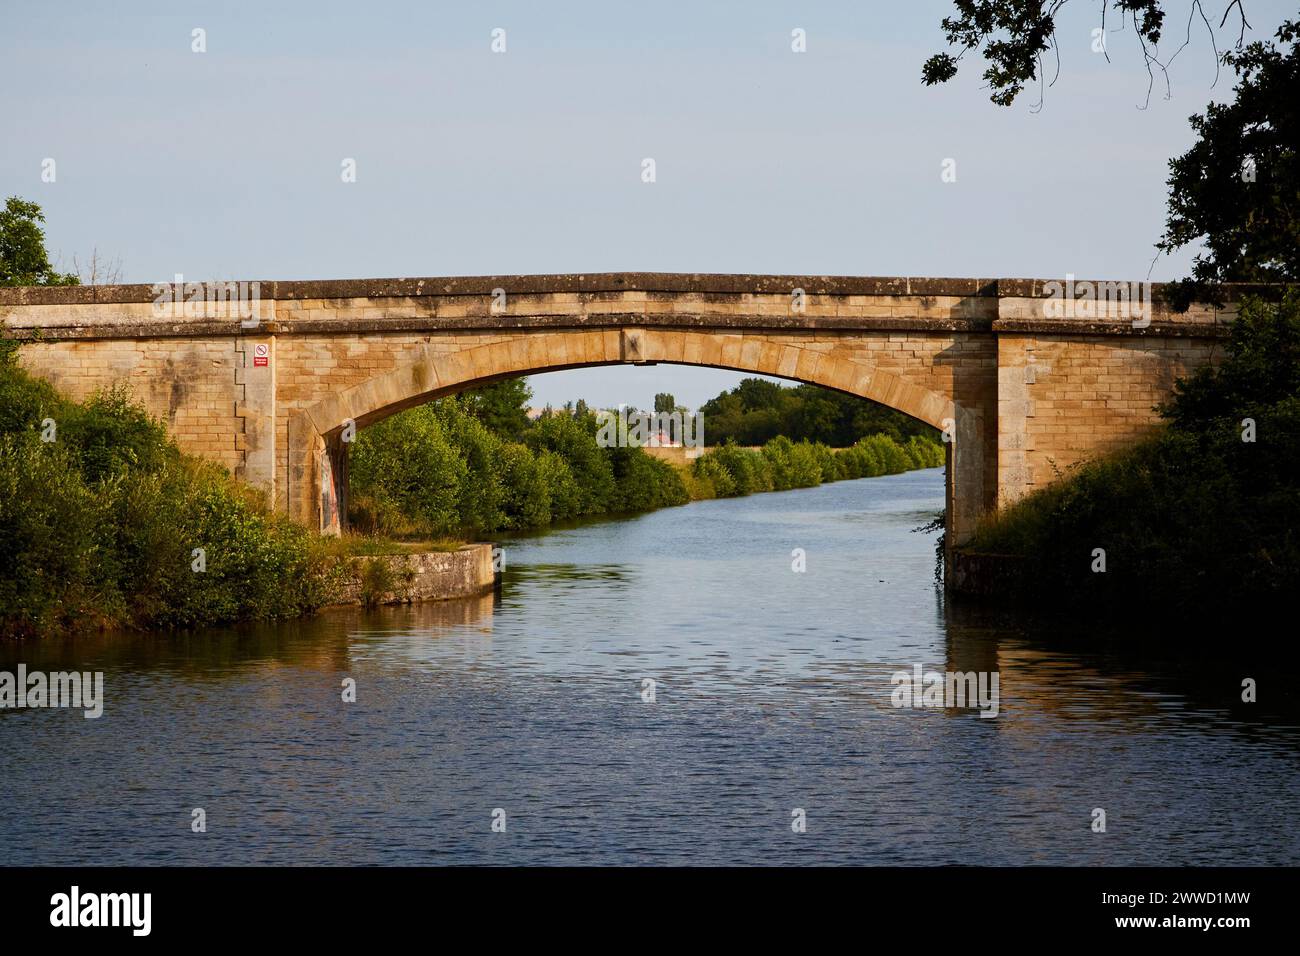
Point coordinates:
[(756, 411), (501, 406), (782, 464), (1237, 188), (438, 470), (23, 258), (99, 526), (1015, 36)]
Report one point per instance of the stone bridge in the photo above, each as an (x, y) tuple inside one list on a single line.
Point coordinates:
[(265, 377)]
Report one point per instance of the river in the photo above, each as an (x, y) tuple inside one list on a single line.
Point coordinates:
[(771, 707)]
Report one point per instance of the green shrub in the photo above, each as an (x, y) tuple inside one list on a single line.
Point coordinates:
[(783, 464), (924, 452), (805, 466), (573, 439), (99, 526), (377, 580), (645, 483), (438, 469), (831, 465), (407, 477), (893, 459), (527, 486), (112, 435), (566, 494), (54, 568), (750, 472), (1195, 522), (709, 468), (479, 506)]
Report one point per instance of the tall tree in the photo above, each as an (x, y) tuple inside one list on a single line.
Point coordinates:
[(501, 406), (23, 258), (1238, 188)]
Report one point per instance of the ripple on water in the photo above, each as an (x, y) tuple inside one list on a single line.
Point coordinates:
[(772, 691)]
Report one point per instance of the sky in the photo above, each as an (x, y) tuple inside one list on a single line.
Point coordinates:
[(226, 164)]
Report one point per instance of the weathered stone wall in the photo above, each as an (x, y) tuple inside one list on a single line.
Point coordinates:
[(428, 576), (193, 385), (1067, 399), (1024, 394)]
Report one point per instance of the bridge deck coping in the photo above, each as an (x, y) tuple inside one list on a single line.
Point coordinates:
[(597, 282)]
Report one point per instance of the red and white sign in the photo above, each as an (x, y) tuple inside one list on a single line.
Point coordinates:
[(261, 355)]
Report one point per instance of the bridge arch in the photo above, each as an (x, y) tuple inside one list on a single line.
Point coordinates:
[(316, 461)]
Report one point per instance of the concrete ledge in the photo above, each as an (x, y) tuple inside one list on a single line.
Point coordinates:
[(423, 576), (983, 575), (1185, 330)]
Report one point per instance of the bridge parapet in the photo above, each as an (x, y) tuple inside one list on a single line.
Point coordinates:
[(610, 299), (1031, 375)]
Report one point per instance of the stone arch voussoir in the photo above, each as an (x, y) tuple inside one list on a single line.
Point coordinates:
[(435, 373)]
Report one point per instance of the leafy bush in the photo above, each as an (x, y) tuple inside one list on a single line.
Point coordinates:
[(527, 483), (893, 459), (783, 464), (573, 439), (406, 476), (710, 468), (438, 469), (645, 483), (99, 526), (925, 452), (377, 580), (53, 564)]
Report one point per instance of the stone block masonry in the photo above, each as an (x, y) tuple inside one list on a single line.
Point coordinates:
[(428, 576), (1020, 395)]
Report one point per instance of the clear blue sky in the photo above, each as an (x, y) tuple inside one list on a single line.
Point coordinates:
[(226, 164)]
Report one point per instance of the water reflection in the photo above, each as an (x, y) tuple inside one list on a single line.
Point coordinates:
[(772, 691)]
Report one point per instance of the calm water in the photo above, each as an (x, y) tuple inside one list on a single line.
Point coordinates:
[(772, 693)]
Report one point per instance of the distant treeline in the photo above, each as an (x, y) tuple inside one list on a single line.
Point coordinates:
[(473, 464), (756, 411), (782, 464)]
